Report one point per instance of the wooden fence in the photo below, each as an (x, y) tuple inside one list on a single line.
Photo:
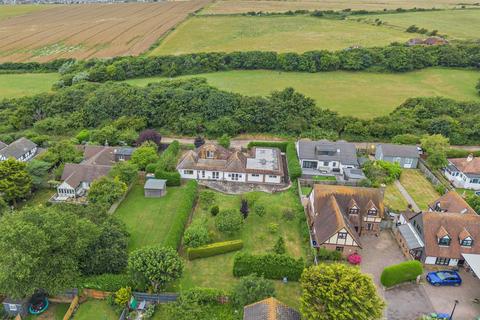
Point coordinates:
[(434, 177), (71, 309)]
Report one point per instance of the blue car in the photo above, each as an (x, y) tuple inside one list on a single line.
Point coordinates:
[(444, 278)]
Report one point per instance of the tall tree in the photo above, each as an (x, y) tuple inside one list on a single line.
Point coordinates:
[(125, 171), (252, 289), (144, 155), (15, 182), (337, 291), (38, 170), (149, 135), (436, 147), (106, 190), (61, 152)]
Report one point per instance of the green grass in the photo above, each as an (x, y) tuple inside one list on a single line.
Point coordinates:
[(394, 199), (55, 311), (361, 94), (419, 188), (280, 33), (217, 271), (25, 84), (456, 24), (40, 197), (467, 192), (148, 219), (8, 11), (95, 309), (306, 190)]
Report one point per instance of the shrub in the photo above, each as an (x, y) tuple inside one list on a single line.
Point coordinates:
[(273, 227), (202, 295), (224, 141), (279, 247), (106, 282), (196, 235), (207, 199), (354, 259), (270, 266), (268, 144), (293, 164), (123, 295), (214, 210), (173, 178), (324, 254), (288, 214), (251, 289), (260, 210), (402, 272), (214, 249), (151, 168), (186, 203), (244, 209), (168, 159), (228, 221)]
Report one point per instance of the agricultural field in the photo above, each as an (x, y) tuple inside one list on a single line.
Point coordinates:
[(25, 84), (242, 6), (456, 24), (9, 11), (91, 30), (273, 33), (349, 93)]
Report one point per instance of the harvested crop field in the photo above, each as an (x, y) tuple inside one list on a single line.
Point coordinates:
[(9, 11), (243, 6), (92, 30)]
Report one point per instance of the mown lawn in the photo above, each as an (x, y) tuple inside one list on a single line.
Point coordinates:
[(456, 24), (25, 84), (8, 11), (258, 238), (419, 188), (95, 309), (148, 219), (394, 199), (280, 33), (360, 94)]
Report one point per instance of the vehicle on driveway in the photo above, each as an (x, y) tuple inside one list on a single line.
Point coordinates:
[(444, 278)]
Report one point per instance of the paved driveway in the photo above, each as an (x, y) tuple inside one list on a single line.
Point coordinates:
[(406, 302)]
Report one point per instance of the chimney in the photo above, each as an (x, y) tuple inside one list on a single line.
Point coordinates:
[(470, 157)]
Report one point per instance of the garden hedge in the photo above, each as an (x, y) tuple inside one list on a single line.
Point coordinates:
[(107, 282), (402, 272), (173, 178), (186, 203), (270, 266), (461, 153), (293, 164), (214, 249), (282, 145)]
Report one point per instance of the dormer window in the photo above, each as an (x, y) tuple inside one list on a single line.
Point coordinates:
[(372, 212), (467, 242), (353, 210), (342, 235), (210, 154), (444, 241)]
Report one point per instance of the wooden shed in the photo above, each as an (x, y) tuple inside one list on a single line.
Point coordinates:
[(155, 188)]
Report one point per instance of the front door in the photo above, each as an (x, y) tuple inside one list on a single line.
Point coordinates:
[(461, 263)]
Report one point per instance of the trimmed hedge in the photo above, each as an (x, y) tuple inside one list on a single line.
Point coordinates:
[(173, 178), (402, 272), (461, 153), (214, 249), (293, 164), (270, 266), (107, 282), (51, 66), (186, 203), (282, 145)]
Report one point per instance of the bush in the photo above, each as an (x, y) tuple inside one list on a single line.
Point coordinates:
[(268, 144), (122, 296), (214, 249), (402, 272), (251, 289), (202, 295), (273, 227), (228, 221), (293, 164), (279, 247), (107, 282), (214, 210), (324, 254), (196, 235), (259, 210), (173, 178), (186, 203), (151, 168), (168, 159), (206, 199), (288, 214), (270, 266)]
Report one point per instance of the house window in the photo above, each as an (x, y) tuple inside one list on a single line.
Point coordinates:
[(255, 175), (203, 173), (210, 154), (272, 177), (442, 261), (408, 160), (353, 211), (372, 212), (466, 242), (235, 176), (475, 180), (325, 163), (339, 249), (342, 235), (369, 226), (445, 241), (188, 171), (334, 164), (309, 164), (216, 175)]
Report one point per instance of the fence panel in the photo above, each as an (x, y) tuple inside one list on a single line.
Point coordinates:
[(432, 177), (156, 298)]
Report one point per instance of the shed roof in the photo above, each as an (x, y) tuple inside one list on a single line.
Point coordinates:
[(411, 237), (399, 150), (155, 184)]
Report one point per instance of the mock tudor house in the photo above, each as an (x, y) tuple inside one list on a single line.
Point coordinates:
[(213, 162), (338, 216), (21, 150), (405, 155), (464, 172), (441, 235), (326, 157)]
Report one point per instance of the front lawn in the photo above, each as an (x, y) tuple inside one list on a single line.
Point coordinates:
[(148, 219), (419, 188), (259, 237), (95, 309), (394, 199)]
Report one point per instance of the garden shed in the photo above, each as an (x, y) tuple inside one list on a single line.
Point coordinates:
[(155, 188)]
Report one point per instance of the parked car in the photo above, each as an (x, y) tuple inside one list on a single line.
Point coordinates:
[(444, 278)]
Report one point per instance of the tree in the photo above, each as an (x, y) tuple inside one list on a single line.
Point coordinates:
[(474, 202), (40, 248), (338, 291), (144, 155), (149, 135), (3, 207), (214, 210), (251, 289), (228, 221), (125, 171), (61, 152), (196, 235), (106, 190), (38, 170), (244, 208), (224, 141), (157, 265), (198, 142), (279, 247), (15, 182), (436, 147)]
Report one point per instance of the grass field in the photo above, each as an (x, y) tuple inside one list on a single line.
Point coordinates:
[(419, 188), (456, 24), (360, 94), (148, 219), (281, 34), (95, 309), (217, 271), (8, 11), (17, 85), (394, 199), (242, 6)]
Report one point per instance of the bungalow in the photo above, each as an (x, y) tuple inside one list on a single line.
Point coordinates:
[(21, 150), (405, 155), (213, 162), (464, 172), (326, 157), (339, 215)]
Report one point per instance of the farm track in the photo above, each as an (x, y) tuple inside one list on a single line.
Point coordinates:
[(88, 31)]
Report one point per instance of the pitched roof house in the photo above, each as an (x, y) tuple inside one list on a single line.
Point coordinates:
[(464, 172), (405, 155), (270, 309), (326, 157), (21, 150), (339, 215), (451, 202), (213, 162)]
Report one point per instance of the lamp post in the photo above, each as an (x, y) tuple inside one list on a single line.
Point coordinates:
[(454, 306)]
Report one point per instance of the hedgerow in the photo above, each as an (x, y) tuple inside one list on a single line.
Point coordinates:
[(282, 145), (293, 164), (214, 249), (270, 266), (107, 282), (402, 272)]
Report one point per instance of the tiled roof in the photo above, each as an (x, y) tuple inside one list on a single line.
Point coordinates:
[(467, 165), (269, 309), (342, 151), (17, 148), (398, 150), (451, 202), (74, 174), (2, 145)]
